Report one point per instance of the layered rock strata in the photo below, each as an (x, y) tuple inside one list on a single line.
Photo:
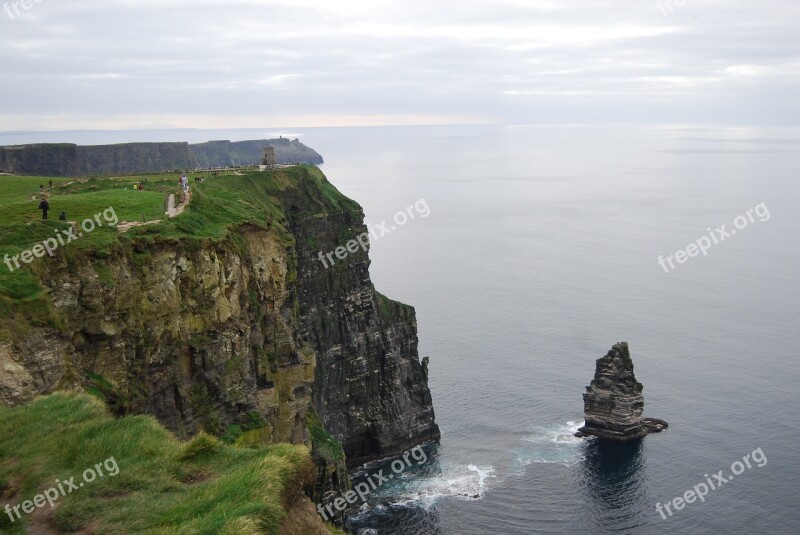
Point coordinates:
[(613, 402)]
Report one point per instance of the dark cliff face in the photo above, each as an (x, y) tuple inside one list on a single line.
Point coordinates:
[(63, 159), (371, 389), (135, 158), (56, 159), (69, 160), (227, 153)]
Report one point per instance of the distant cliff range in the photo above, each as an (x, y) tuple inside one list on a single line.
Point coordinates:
[(67, 159), (227, 153)]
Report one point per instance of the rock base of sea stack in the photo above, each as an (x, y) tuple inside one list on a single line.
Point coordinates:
[(613, 402)]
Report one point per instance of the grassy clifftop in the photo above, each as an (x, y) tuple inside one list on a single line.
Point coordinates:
[(219, 205), (161, 485)]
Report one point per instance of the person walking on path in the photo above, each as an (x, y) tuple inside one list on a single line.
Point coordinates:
[(44, 206)]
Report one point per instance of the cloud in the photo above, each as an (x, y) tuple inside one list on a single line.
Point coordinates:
[(121, 63)]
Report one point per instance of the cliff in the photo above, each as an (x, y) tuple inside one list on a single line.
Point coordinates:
[(69, 160), (64, 159), (613, 401), (224, 320), (370, 387), (244, 153)]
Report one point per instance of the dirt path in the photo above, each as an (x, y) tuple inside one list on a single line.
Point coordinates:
[(125, 226), (175, 211), (172, 211)]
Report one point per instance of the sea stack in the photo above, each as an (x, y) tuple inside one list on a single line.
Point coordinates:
[(613, 402)]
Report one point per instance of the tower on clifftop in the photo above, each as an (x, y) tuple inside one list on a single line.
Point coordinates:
[(269, 158)]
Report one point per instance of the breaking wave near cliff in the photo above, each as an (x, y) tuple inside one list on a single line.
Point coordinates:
[(424, 488), (460, 482), (411, 497), (550, 444)]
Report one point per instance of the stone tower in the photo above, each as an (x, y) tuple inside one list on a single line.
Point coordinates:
[(269, 157)]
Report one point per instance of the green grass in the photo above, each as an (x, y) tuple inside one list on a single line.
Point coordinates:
[(219, 205), (21, 188), (163, 486), (257, 198), (21, 228), (325, 445)]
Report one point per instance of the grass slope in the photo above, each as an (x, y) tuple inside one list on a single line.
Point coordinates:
[(163, 486)]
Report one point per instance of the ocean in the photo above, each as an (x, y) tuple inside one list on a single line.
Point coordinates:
[(542, 247)]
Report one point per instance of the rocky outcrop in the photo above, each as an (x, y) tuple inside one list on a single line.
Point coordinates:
[(613, 402), (66, 159), (227, 153)]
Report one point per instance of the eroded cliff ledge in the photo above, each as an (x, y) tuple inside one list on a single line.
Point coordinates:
[(613, 402)]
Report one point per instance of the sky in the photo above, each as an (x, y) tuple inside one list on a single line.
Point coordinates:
[(131, 64)]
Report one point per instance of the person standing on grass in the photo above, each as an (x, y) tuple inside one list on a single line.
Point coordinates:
[(44, 206)]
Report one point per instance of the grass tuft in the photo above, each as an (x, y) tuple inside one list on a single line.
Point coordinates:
[(201, 446)]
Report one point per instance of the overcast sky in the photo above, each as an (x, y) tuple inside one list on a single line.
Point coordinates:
[(116, 64)]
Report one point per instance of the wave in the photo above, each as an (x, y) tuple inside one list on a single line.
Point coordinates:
[(467, 482), (551, 444), (463, 483)]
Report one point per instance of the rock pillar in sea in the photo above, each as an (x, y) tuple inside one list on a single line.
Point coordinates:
[(613, 402)]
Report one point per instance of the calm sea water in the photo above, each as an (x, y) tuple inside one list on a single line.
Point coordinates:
[(540, 252)]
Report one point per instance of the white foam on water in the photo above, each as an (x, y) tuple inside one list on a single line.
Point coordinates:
[(460, 482), (569, 437), (551, 444)]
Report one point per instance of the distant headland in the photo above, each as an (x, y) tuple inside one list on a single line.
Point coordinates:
[(70, 160)]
